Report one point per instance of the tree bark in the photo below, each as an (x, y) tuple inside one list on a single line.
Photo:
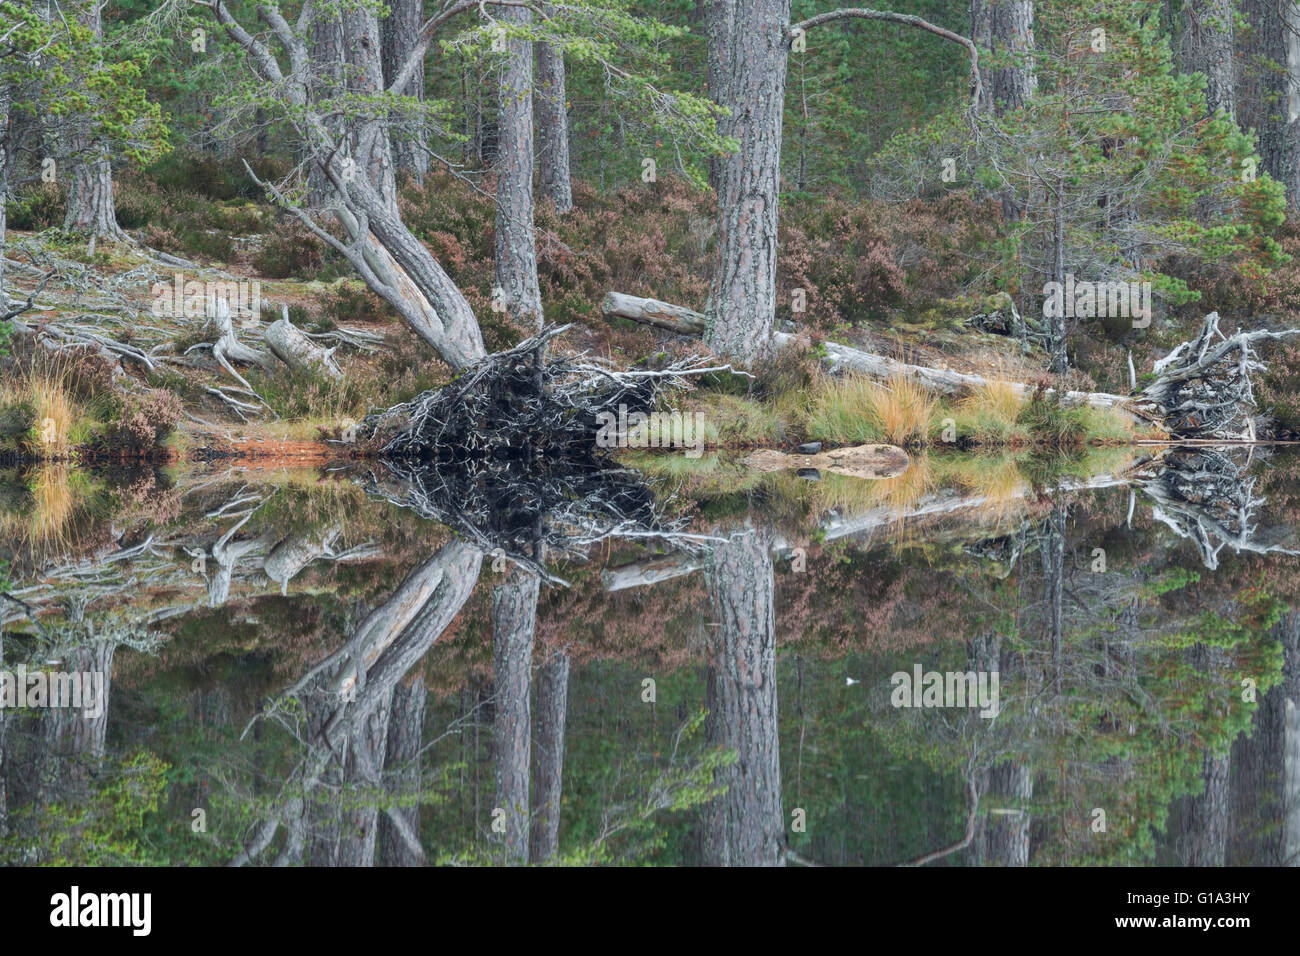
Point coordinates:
[(745, 826), (399, 31), (1005, 27), (91, 208), (371, 147), (514, 623), (548, 763), (720, 24), (516, 234), (553, 127), (324, 83), (1207, 48), (75, 743), (288, 343), (747, 64), (1002, 825), (1269, 100), (1207, 842)]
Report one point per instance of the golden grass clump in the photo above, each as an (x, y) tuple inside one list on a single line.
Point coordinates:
[(45, 387), (854, 410)]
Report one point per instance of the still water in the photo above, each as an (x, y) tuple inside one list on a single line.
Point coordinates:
[(981, 661)]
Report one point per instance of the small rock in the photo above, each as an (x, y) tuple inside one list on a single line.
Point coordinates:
[(810, 474), (810, 448)]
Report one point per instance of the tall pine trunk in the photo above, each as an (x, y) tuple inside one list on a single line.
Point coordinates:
[(400, 30), (91, 208), (402, 772), (326, 46), (365, 77), (553, 127), (516, 234), (1269, 90), (747, 70), (1005, 27), (1207, 48)]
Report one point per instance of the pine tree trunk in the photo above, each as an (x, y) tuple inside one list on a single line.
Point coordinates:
[(516, 236), (74, 743), (1005, 27), (720, 22), (1208, 831), (548, 763), (748, 68), (90, 207), (365, 76), (1269, 90), (326, 50), (745, 826), (553, 127), (400, 30), (362, 774), (514, 620), (1207, 49)]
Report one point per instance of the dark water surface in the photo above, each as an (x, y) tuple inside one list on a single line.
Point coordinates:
[(297, 671)]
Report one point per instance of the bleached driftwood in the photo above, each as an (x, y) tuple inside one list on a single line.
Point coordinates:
[(291, 346), (1203, 388)]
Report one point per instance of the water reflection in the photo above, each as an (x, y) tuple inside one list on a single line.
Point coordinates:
[(302, 672)]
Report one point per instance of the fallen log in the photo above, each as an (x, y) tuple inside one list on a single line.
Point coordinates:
[(840, 358), (663, 315), (292, 347)]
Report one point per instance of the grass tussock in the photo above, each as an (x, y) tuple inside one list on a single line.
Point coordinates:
[(853, 410), (991, 415), (40, 412)]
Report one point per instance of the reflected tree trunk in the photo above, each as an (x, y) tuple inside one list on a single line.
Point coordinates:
[(1052, 551), (548, 763), (745, 826), (402, 774), (4, 766), (1264, 778), (1207, 841), (514, 625), (74, 743), (348, 698), (1002, 834)]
